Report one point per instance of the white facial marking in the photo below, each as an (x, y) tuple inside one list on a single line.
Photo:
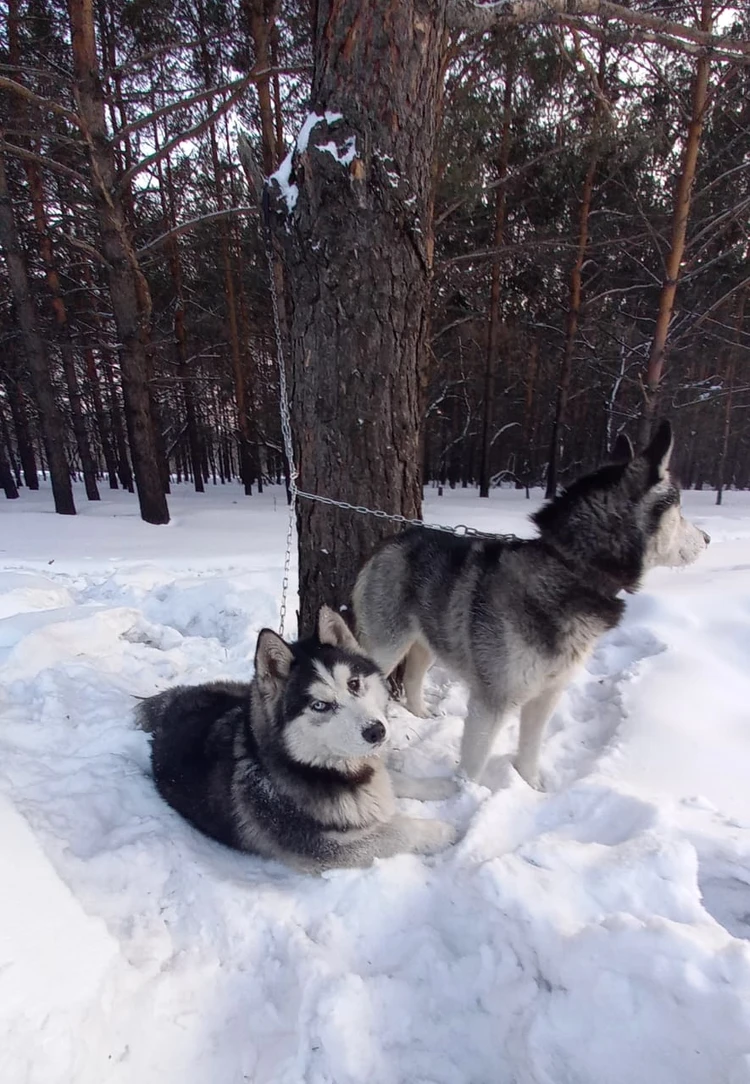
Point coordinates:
[(677, 542), (326, 738)]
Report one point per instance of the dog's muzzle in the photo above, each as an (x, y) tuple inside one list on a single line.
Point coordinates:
[(374, 733), (706, 537)]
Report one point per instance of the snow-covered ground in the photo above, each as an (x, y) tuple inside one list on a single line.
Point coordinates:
[(594, 934)]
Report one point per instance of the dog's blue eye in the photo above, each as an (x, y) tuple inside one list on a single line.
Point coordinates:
[(320, 705)]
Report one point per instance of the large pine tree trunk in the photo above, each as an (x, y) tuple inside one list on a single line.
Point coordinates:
[(131, 301), (53, 427), (358, 277)]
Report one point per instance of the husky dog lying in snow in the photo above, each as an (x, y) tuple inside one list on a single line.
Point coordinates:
[(288, 766), (513, 619)]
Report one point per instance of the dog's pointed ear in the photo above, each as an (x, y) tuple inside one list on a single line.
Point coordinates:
[(622, 449), (273, 661), (334, 631), (658, 452)]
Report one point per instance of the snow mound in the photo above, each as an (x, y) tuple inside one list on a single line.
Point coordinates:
[(598, 933)]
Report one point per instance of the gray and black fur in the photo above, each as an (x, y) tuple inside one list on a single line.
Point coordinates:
[(288, 766), (514, 618)]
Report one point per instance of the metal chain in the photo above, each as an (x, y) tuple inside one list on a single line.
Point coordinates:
[(459, 529), (286, 421), (286, 431)]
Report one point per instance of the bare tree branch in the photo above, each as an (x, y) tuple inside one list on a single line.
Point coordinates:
[(199, 96), (45, 104), (469, 15), (189, 133), (40, 160), (190, 224)]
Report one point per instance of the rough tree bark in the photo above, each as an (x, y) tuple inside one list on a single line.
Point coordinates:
[(53, 428), (358, 277), (493, 331), (131, 300), (681, 217)]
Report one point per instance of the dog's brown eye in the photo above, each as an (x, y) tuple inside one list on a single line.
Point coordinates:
[(353, 685)]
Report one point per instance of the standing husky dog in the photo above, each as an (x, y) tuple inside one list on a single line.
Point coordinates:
[(513, 619), (288, 766)]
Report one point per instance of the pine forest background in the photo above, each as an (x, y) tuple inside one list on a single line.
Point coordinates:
[(135, 315)]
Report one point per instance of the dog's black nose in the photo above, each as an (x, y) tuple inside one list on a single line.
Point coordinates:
[(374, 733), (706, 536)]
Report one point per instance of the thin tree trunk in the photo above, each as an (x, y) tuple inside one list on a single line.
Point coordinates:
[(734, 350), (53, 427), (180, 334), (493, 333), (358, 276), (529, 414), (7, 481), (118, 445), (131, 300), (9, 450), (21, 427), (681, 217), (238, 367), (261, 16), (102, 421), (278, 114), (60, 312), (574, 298)]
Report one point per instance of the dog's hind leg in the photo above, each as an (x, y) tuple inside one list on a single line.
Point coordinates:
[(534, 716), (386, 656), (482, 724), (418, 662)]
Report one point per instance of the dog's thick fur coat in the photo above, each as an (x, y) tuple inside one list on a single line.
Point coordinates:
[(288, 766), (514, 618)]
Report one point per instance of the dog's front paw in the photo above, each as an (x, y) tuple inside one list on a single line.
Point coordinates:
[(529, 776), (430, 837), (418, 708)]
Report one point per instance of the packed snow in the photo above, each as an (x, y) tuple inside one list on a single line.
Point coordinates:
[(596, 933)]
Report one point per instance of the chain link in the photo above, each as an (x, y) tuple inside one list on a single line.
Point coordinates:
[(286, 432)]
